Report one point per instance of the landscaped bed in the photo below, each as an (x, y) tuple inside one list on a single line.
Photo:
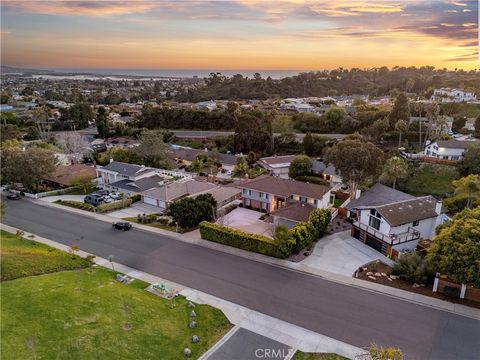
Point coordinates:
[(316, 356), (379, 268), (153, 224), (86, 314)]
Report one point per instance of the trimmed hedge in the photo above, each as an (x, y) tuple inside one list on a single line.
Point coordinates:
[(76, 204), (239, 239), (120, 204)]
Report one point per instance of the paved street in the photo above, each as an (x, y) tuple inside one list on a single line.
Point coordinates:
[(192, 134), (346, 313)]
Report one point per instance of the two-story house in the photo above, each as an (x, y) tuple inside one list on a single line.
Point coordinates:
[(447, 149), (269, 193), (397, 226), (116, 171)]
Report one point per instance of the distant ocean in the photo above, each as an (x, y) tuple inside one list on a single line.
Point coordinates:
[(180, 73)]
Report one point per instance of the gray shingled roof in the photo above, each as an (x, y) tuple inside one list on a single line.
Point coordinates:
[(140, 185), (127, 169), (378, 195), (407, 211), (177, 190), (454, 144)]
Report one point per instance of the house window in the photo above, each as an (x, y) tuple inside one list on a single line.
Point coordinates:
[(315, 202), (260, 195), (264, 206), (416, 222), (249, 192), (247, 202), (266, 196), (244, 191), (374, 222)]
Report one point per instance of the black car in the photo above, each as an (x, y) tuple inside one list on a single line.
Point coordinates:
[(122, 225), (13, 196)]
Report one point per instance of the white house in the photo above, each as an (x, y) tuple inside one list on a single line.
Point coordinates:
[(277, 165), (397, 226), (116, 171), (452, 95), (447, 149), (207, 105)]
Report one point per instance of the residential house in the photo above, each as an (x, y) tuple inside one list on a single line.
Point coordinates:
[(277, 165), (133, 187), (186, 156), (269, 193), (452, 95), (65, 175), (327, 172), (391, 221), (163, 196), (447, 149), (206, 105), (292, 214), (116, 171)]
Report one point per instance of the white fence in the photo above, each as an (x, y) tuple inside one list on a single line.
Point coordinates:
[(51, 193)]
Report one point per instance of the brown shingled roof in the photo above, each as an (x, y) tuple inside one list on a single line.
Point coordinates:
[(407, 211), (66, 174), (296, 211), (285, 187)]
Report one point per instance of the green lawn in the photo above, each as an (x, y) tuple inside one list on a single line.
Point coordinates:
[(338, 202), (88, 315), (317, 356), (22, 257), (431, 179)]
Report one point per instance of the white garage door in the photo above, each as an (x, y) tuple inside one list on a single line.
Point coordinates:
[(149, 201)]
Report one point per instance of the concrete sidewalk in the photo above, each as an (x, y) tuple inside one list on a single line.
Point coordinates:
[(194, 238), (283, 332)]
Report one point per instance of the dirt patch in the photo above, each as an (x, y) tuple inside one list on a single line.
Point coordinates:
[(372, 275)]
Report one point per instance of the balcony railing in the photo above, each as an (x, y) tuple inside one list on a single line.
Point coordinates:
[(392, 239)]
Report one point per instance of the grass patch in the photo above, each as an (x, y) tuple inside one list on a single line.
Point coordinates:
[(317, 356), (76, 204), (338, 202), (88, 315), (152, 224), (431, 179), (22, 257)]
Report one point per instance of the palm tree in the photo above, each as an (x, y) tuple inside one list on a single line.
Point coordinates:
[(469, 186), (395, 168), (401, 126)]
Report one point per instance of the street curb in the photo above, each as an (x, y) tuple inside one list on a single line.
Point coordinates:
[(219, 343), (399, 294)]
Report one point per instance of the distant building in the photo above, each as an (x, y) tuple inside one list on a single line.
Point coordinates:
[(445, 95), (447, 149), (207, 105), (277, 165)]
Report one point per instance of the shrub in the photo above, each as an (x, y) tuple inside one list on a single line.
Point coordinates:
[(103, 208), (76, 204), (413, 268), (189, 212), (284, 239), (136, 197), (239, 239), (313, 180), (320, 218), (303, 235)]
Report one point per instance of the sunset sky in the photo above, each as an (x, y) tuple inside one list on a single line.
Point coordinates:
[(263, 35)]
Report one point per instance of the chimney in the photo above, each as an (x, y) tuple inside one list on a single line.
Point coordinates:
[(111, 160), (438, 207), (358, 192)]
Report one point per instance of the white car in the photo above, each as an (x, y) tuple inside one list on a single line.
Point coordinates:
[(115, 195), (107, 199)]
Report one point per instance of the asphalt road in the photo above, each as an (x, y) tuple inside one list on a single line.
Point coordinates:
[(346, 313), (205, 134)]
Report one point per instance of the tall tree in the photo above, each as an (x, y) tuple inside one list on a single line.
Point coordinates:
[(395, 168), (470, 164), (153, 150), (476, 132), (401, 126), (102, 122), (308, 146), (400, 110), (74, 145), (456, 248), (355, 161), (468, 186), (253, 132), (300, 166)]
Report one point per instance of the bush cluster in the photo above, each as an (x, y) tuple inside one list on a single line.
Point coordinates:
[(76, 204), (120, 204), (135, 198), (239, 239), (313, 180), (413, 268)]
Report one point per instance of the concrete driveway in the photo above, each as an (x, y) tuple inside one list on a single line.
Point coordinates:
[(340, 253), (246, 220), (135, 209)]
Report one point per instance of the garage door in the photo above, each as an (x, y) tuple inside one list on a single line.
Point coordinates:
[(150, 201), (374, 243)]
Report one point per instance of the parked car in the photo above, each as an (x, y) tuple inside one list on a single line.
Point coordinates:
[(122, 225), (93, 199), (115, 195), (13, 196), (101, 192), (107, 199)]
